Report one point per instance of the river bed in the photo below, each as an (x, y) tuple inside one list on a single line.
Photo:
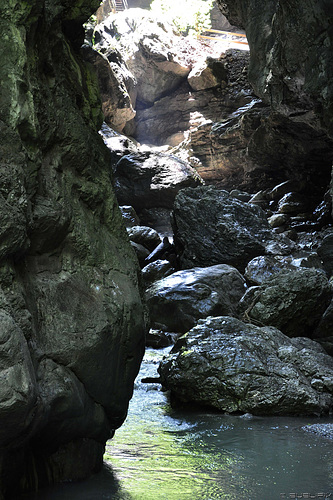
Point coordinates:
[(162, 453)]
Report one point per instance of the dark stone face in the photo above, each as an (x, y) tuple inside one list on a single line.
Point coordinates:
[(237, 367), (71, 317), (291, 70), (291, 55)]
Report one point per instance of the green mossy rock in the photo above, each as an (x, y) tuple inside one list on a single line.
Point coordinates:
[(71, 317)]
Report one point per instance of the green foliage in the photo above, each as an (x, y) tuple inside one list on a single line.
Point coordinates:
[(188, 16)]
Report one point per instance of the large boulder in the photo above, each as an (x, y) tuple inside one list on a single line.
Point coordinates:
[(149, 51), (179, 300), (232, 366), (291, 300), (71, 315), (191, 110), (148, 179), (211, 227)]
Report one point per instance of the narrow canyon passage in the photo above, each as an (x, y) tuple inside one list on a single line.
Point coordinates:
[(166, 194), (163, 453)]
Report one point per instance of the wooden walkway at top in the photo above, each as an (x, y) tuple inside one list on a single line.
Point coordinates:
[(121, 5), (230, 33)]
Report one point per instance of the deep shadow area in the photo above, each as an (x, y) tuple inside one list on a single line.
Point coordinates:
[(103, 485)]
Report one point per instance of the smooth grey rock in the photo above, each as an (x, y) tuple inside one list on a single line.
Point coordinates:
[(146, 180), (145, 236), (236, 367), (180, 299), (156, 271), (292, 301)]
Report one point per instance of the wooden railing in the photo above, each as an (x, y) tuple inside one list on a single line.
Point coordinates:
[(218, 32)]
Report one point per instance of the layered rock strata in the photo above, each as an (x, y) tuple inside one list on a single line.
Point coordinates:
[(290, 69)]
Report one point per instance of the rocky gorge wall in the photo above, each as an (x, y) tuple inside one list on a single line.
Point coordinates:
[(291, 70), (237, 134), (71, 318)]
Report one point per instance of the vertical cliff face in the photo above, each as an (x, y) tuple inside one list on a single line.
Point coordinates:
[(291, 70), (291, 53), (71, 317)]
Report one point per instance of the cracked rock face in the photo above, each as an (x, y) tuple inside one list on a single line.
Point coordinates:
[(235, 234), (71, 316), (290, 69), (232, 366)]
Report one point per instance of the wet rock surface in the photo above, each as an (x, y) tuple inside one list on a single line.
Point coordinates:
[(226, 364), (324, 430), (148, 179), (179, 300), (292, 301), (71, 313), (235, 234)]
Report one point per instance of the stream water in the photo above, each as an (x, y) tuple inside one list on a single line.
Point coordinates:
[(162, 453)]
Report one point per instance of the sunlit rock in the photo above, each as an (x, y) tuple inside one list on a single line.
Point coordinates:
[(148, 54), (179, 300), (148, 179), (232, 366)]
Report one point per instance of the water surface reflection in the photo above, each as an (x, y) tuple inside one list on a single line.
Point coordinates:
[(161, 453)]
